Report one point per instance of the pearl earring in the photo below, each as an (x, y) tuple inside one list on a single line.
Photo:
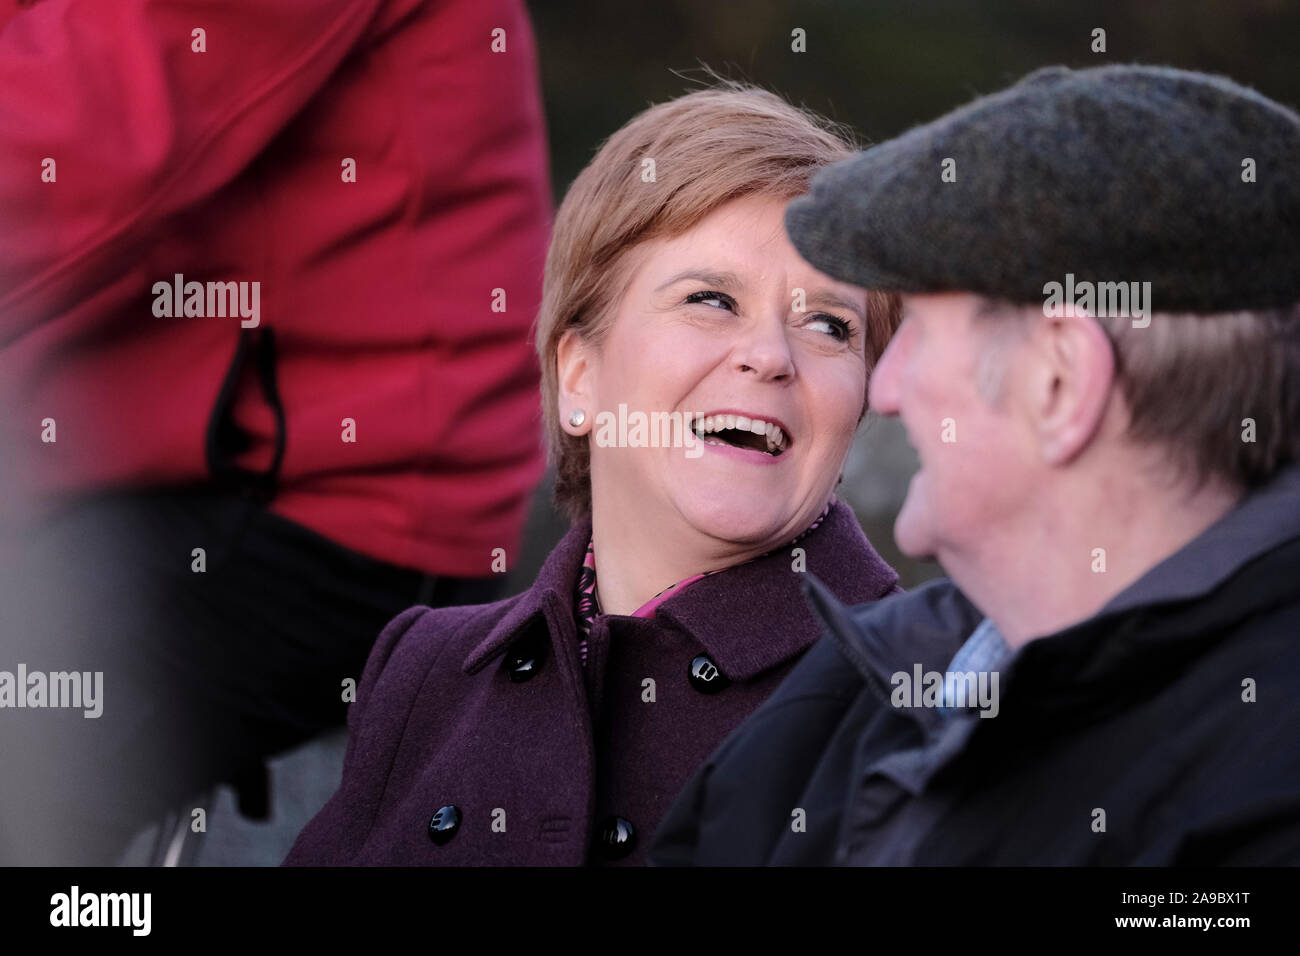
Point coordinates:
[(577, 417)]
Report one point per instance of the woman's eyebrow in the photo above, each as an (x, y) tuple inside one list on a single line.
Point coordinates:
[(725, 280)]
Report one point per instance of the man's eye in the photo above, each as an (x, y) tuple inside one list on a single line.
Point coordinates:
[(832, 325), (720, 297)]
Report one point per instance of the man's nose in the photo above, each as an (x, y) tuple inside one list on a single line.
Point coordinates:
[(883, 392)]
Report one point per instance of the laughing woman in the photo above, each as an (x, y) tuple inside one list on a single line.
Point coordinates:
[(555, 727)]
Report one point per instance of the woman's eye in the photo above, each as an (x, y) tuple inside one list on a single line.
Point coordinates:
[(719, 297), (833, 326)]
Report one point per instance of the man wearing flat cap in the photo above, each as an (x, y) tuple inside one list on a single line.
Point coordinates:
[(1099, 368)]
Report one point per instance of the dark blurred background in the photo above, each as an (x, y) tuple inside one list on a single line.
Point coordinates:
[(881, 67)]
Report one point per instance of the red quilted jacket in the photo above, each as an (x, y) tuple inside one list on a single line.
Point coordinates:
[(387, 391)]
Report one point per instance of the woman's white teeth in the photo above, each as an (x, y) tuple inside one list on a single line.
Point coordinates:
[(776, 440)]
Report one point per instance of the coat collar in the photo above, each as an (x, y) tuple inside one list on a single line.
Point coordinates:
[(556, 582), (747, 618), (1261, 521)]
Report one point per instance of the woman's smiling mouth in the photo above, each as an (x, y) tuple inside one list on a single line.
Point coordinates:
[(749, 433)]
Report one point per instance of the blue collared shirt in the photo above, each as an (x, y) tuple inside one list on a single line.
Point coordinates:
[(985, 651)]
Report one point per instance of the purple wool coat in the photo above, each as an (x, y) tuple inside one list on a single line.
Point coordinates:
[(478, 738)]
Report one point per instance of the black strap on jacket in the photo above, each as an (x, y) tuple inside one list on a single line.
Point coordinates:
[(225, 440)]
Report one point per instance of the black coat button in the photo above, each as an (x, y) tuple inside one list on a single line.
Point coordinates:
[(705, 676), (525, 658), (617, 838), (444, 825)]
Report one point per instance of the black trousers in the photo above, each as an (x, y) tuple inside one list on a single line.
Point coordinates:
[(205, 673)]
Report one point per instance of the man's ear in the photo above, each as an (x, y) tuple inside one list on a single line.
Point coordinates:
[(1074, 370), (573, 366)]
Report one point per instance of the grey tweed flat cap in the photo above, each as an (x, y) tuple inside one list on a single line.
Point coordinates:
[(1113, 174)]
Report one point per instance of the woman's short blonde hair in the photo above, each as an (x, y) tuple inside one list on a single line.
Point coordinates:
[(708, 148)]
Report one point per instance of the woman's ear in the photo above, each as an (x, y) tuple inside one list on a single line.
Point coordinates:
[(574, 367)]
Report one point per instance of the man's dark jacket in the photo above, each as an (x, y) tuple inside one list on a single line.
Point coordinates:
[(1164, 730)]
